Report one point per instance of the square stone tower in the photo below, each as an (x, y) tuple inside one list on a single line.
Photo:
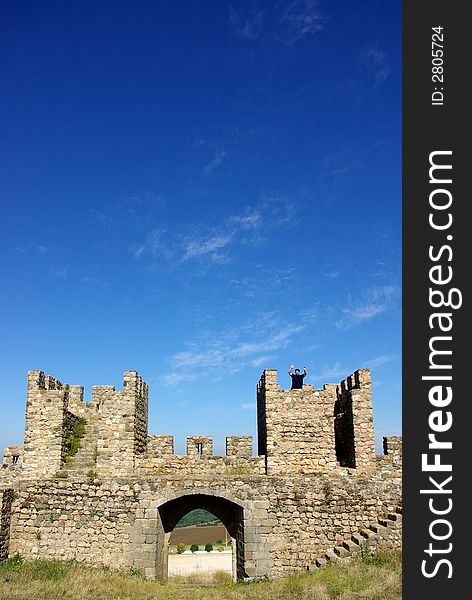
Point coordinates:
[(117, 419), (310, 431)]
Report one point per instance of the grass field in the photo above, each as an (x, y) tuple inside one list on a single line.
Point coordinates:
[(372, 578)]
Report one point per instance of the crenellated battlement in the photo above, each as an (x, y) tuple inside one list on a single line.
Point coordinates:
[(300, 431), (199, 458)]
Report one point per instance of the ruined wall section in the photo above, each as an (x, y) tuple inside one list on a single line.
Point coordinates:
[(296, 427), (354, 422), (393, 449)]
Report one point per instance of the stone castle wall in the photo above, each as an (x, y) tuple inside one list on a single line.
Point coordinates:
[(314, 483), (286, 522)]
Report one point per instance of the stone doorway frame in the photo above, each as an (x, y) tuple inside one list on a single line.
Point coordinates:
[(156, 519)]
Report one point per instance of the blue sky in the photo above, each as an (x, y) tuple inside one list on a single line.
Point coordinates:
[(199, 191)]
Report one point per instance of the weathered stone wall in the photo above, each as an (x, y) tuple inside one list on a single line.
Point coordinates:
[(6, 500), (393, 448), (200, 465), (239, 445), (160, 446), (284, 522)]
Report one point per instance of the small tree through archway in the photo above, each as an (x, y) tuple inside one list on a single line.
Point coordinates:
[(225, 534)]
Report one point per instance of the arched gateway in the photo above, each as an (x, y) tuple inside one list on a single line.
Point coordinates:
[(90, 484), (230, 513)]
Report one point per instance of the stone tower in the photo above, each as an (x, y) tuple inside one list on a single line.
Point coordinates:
[(313, 431), (53, 409)]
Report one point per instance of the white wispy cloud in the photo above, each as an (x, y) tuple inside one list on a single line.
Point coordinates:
[(232, 349), (379, 360), (215, 162), (154, 245), (373, 303), (298, 19), (331, 374), (100, 217), (39, 248), (59, 271), (207, 246), (246, 26), (374, 63), (215, 244), (342, 164), (174, 378), (251, 220), (284, 21), (94, 281), (261, 360), (249, 406)]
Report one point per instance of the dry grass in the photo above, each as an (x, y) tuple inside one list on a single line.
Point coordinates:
[(374, 578)]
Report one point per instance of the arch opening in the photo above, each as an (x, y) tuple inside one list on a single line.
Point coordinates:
[(228, 513)]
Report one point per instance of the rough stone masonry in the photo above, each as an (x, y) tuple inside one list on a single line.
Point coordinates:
[(91, 484)]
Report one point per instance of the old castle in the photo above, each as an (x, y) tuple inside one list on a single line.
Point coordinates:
[(91, 484)]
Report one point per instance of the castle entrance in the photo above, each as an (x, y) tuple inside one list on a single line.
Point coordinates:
[(227, 512)]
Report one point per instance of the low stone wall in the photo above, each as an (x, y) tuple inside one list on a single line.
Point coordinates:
[(284, 522)]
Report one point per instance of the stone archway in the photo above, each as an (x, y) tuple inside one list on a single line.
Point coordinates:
[(227, 511)]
